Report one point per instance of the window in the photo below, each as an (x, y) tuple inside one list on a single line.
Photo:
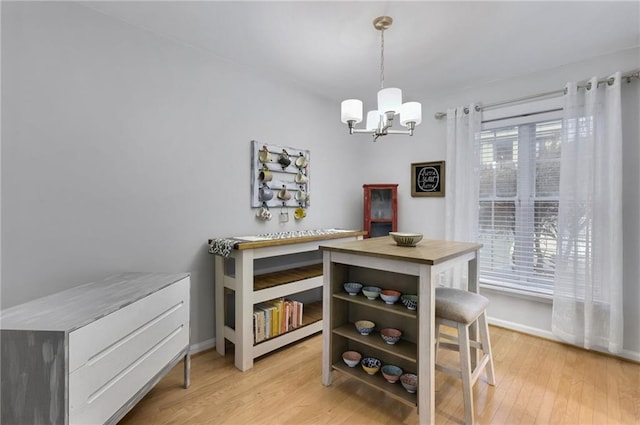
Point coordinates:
[(518, 215)]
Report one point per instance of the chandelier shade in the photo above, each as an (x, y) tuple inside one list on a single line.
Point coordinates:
[(410, 112), (373, 119), (351, 110), (380, 122), (389, 100)]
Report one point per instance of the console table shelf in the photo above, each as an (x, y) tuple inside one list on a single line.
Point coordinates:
[(312, 316), (269, 280)]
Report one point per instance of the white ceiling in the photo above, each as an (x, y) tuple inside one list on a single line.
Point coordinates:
[(332, 48)]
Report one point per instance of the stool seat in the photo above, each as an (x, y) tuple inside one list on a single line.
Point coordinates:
[(459, 306)]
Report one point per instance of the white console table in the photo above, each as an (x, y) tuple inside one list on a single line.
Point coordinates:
[(87, 355), (251, 288)]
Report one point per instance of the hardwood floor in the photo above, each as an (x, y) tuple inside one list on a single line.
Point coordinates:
[(537, 382)]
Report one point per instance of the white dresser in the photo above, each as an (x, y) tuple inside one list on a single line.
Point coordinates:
[(87, 355)]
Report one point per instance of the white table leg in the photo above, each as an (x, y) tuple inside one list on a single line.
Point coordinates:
[(327, 373), (473, 285), (426, 348), (219, 303), (243, 304)]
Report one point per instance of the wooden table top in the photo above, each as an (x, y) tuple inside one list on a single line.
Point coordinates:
[(427, 251), (263, 242)]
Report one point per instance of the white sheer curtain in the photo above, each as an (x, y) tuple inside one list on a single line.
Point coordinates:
[(587, 302), (462, 174)]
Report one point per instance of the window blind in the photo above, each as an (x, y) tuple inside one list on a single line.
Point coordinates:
[(518, 211)]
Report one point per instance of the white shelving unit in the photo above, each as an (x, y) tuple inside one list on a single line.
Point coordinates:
[(237, 275)]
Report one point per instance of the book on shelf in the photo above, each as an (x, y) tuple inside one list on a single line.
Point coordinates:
[(266, 326), (275, 317), (258, 325)]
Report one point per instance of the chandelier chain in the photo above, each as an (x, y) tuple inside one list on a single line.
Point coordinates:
[(382, 58)]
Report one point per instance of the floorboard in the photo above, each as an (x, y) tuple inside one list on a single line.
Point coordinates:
[(537, 382)]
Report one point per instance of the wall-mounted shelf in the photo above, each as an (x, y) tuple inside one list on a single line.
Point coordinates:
[(266, 169)]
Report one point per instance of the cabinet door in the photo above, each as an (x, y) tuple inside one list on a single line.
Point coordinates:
[(380, 209)]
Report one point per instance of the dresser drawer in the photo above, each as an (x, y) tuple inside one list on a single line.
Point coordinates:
[(98, 339), (88, 406)]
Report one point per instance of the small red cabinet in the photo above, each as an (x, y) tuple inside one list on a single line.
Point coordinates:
[(380, 209)]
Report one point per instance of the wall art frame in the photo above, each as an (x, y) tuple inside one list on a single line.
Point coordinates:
[(428, 179)]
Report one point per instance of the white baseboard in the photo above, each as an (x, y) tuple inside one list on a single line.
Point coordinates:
[(523, 328), (202, 346), (541, 333)]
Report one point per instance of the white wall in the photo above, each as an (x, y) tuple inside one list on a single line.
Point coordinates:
[(124, 151)]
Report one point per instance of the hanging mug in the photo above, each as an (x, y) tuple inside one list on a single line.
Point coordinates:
[(284, 194), (301, 161), (266, 193), (299, 213), (263, 155), (284, 215), (284, 159), (264, 214), (265, 175), (301, 196), (301, 178)]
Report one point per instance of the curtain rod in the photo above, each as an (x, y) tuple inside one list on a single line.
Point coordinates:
[(610, 80)]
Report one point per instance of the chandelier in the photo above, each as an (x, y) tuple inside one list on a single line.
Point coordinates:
[(380, 121)]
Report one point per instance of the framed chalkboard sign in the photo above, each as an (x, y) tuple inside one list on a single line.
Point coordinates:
[(427, 179)]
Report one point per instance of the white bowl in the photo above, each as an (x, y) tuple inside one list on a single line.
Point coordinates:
[(351, 358), (406, 239)]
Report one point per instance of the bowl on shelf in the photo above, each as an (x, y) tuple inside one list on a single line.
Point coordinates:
[(352, 288), (409, 381), (391, 373), (406, 239), (365, 327), (410, 301), (390, 335), (351, 358), (390, 296), (371, 292), (371, 365)]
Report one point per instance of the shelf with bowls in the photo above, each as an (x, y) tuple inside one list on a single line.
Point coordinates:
[(404, 349), (377, 381), (356, 297), (378, 304), (382, 263)]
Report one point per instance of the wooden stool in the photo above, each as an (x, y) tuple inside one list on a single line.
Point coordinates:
[(460, 309)]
